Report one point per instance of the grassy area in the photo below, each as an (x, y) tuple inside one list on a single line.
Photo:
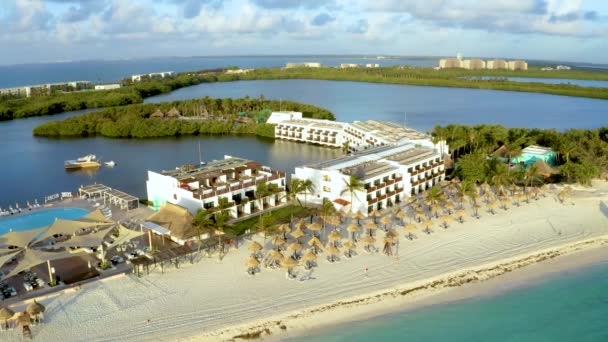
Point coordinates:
[(281, 215)]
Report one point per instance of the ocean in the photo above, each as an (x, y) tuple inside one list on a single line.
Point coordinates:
[(569, 306)]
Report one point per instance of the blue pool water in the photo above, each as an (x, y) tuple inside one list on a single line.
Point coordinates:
[(571, 306), (39, 218)]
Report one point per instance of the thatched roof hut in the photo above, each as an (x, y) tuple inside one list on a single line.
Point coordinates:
[(173, 113), (35, 308), (175, 218), (157, 114)]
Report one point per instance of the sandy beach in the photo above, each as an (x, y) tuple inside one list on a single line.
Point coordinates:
[(218, 300)]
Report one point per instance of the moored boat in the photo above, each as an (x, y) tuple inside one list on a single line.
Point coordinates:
[(110, 163), (88, 161)]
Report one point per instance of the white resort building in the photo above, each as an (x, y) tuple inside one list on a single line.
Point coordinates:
[(358, 135), (201, 187), (390, 173), (152, 76)]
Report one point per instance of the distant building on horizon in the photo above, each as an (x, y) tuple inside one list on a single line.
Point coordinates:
[(303, 65), (477, 64), (46, 89), (152, 76), (107, 86)]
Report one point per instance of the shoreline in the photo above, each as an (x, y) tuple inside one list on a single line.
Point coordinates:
[(490, 279)]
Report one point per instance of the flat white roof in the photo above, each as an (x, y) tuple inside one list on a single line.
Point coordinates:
[(156, 228), (366, 156), (533, 149)]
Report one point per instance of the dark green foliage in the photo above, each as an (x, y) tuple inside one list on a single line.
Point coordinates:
[(204, 116), (581, 154)]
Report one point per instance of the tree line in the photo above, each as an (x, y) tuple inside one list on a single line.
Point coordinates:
[(582, 154), (201, 116), (131, 93)]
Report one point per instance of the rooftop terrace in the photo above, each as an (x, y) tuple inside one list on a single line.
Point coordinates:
[(388, 131), (212, 169)]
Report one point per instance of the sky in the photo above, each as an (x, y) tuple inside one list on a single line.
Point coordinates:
[(33, 31)]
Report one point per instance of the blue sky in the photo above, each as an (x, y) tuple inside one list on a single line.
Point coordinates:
[(56, 30)]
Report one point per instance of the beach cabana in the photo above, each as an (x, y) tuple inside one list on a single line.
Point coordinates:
[(36, 311), (177, 219), (173, 113), (157, 114), (5, 315)]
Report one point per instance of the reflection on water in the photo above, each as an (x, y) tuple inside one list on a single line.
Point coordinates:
[(89, 172)]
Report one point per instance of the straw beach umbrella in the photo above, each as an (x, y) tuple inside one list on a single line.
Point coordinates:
[(276, 257), (310, 259), (427, 226), (419, 214), (476, 207), (252, 265), (289, 264), (369, 242), (445, 219), (504, 202), (460, 214), (284, 228), (358, 216), (449, 207), (315, 243), (255, 247), (349, 245), (353, 229), (401, 215), (295, 248), (334, 236), (333, 220), (491, 206), (371, 226), (299, 224), (386, 220), (24, 319), (297, 234), (314, 227), (332, 251), (375, 214), (409, 228), (5, 315), (278, 241)]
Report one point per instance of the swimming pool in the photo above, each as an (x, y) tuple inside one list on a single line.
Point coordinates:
[(39, 218)]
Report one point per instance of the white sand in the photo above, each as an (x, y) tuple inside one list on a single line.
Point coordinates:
[(213, 300)]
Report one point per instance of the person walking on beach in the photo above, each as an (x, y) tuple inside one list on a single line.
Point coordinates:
[(366, 272)]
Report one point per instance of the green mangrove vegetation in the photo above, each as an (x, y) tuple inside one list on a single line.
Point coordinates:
[(132, 93), (200, 116), (480, 152)]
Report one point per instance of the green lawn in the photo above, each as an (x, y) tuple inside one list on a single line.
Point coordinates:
[(281, 215)]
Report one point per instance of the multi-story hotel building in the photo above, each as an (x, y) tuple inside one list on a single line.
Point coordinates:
[(201, 187), (314, 131), (357, 136), (390, 173)]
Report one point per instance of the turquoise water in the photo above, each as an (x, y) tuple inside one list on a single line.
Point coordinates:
[(39, 218), (571, 306)]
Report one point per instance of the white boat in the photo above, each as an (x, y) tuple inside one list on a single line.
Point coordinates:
[(90, 160), (110, 163)]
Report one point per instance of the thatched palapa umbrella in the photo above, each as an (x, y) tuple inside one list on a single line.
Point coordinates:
[(299, 224), (289, 264), (349, 245), (427, 226), (369, 241), (295, 248), (314, 227), (504, 202), (255, 247), (276, 257), (334, 236), (461, 213), (491, 206), (24, 319), (353, 229), (449, 207), (388, 244), (445, 219), (375, 214), (358, 216), (409, 228), (401, 215), (386, 220), (252, 265), (278, 241), (332, 251), (5, 315), (284, 228), (371, 226), (297, 234), (333, 220), (315, 243), (310, 258), (476, 207)]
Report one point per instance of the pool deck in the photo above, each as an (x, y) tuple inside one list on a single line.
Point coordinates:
[(81, 261)]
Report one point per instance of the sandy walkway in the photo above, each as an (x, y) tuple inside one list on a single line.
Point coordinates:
[(201, 301)]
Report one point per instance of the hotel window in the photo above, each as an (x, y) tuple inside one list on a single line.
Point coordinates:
[(376, 182), (327, 178), (326, 189), (367, 185), (385, 179)]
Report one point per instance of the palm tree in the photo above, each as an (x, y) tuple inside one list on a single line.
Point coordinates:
[(466, 189), (351, 187), (327, 209), (221, 220), (294, 189), (203, 223), (531, 178), (264, 224), (261, 191), (435, 195)]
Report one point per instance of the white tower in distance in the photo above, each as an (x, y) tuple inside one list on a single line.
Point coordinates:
[(459, 56)]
